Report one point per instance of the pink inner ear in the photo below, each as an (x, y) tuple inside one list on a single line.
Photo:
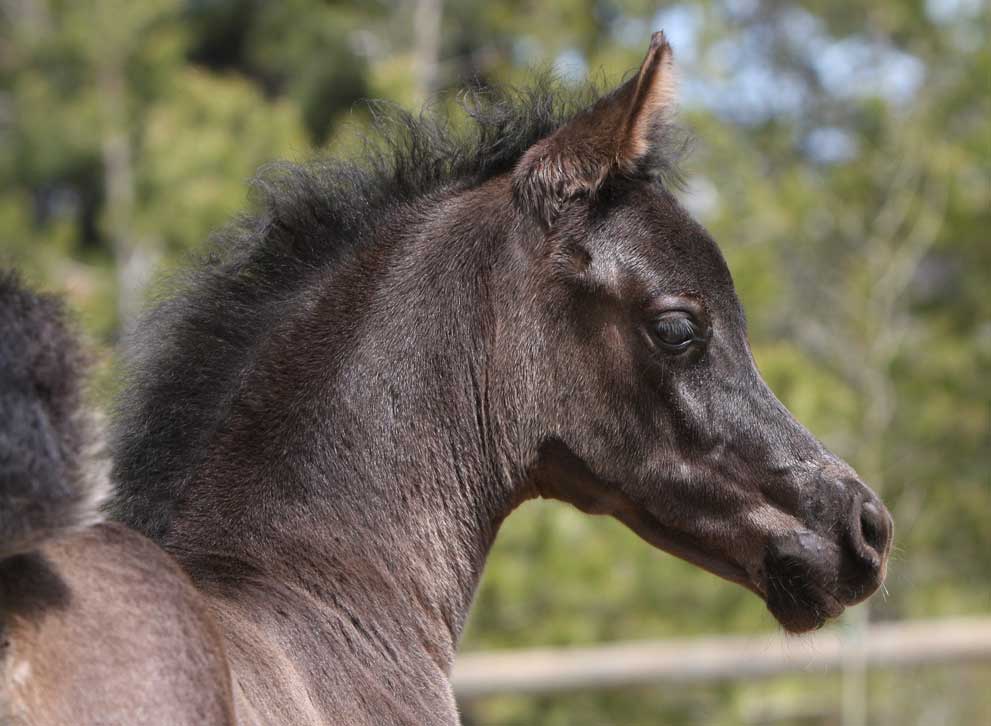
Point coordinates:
[(653, 99)]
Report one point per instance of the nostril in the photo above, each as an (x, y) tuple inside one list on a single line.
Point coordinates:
[(869, 530), (872, 527)]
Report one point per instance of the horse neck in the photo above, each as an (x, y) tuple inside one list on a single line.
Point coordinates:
[(375, 429)]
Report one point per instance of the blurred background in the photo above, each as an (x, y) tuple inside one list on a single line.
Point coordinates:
[(842, 159)]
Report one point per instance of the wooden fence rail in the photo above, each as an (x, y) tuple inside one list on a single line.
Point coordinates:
[(890, 645)]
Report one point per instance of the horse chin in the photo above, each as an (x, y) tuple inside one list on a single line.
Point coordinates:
[(798, 587), (798, 594), (802, 607)]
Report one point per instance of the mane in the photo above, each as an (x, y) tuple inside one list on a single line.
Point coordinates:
[(183, 367), (51, 479)]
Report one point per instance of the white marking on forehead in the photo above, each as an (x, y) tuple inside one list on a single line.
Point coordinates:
[(684, 470), (607, 267)]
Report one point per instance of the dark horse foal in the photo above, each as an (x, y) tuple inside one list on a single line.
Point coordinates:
[(326, 426)]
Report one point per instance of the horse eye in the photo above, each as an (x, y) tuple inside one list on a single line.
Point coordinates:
[(676, 331)]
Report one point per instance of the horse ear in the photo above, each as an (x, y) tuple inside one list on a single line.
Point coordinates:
[(611, 136)]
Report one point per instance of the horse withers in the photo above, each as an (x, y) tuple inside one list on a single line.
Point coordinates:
[(324, 426)]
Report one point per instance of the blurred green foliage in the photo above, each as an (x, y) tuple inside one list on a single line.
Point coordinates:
[(843, 162)]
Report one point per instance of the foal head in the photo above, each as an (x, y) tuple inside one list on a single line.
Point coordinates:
[(631, 362)]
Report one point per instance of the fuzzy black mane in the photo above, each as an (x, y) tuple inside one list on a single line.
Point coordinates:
[(48, 483), (184, 366)]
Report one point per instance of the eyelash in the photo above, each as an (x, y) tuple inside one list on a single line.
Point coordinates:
[(677, 331)]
